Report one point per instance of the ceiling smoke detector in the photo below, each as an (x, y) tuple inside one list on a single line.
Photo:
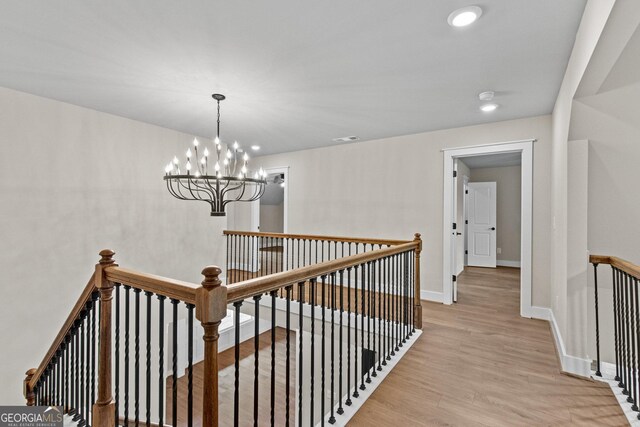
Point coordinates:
[(486, 96), (346, 139)]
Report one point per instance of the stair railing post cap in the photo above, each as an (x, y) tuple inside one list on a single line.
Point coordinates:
[(211, 278), (106, 256)]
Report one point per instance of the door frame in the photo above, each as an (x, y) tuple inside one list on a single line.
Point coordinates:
[(255, 205), (525, 147)]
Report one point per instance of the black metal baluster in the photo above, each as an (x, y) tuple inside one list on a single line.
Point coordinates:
[(87, 396), (83, 385), (615, 322), (340, 410), (369, 313), (332, 298), (348, 401), (161, 384), (256, 354), (623, 322), (288, 357), (626, 340), (136, 356), (312, 291), (72, 373), (637, 333), (323, 353), (595, 287), (273, 357), (174, 364), (116, 375), (300, 353), (148, 372), (398, 289), (227, 256), (379, 291), (236, 374), (362, 293), (190, 308), (66, 374), (355, 330), (632, 328), (374, 313), (126, 353), (385, 354)]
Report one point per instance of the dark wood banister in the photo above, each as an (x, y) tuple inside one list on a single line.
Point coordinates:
[(320, 238), (619, 263), (260, 285)]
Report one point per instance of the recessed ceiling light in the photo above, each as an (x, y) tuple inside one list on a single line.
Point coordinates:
[(488, 108), (465, 16), (255, 147)]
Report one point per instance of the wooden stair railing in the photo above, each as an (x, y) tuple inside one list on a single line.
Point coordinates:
[(66, 383), (379, 286), (626, 330), (256, 254)]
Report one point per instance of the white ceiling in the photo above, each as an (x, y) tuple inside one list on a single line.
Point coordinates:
[(297, 74), (492, 160)]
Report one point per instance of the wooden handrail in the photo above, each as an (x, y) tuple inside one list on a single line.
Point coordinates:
[(248, 288), (315, 237), (619, 263), (170, 288), (88, 290)]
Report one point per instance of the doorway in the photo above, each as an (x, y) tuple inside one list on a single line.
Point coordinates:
[(269, 214), (457, 232)]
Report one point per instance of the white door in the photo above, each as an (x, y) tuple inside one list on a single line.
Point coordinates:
[(482, 224)]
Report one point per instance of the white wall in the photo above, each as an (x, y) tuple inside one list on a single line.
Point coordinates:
[(508, 207), (393, 188), (75, 181), (593, 21)]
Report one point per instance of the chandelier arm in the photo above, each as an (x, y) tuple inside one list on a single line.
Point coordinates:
[(175, 192), (190, 189), (210, 192)]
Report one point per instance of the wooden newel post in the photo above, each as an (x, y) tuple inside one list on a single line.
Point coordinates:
[(29, 393), (211, 308), (104, 409), (417, 307)]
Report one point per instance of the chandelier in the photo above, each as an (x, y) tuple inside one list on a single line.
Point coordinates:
[(229, 180)]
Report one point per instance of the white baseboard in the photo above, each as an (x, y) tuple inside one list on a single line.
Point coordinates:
[(432, 296), (542, 313), (506, 263), (571, 364)]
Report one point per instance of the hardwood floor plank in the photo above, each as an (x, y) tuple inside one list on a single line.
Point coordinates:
[(479, 363)]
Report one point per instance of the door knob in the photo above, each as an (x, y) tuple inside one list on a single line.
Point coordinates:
[(493, 228)]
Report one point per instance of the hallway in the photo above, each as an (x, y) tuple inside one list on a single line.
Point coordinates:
[(479, 363)]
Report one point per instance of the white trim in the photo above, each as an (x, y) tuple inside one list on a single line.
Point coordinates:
[(542, 313), (491, 144), (526, 148), (507, 263), (432, 296), (255, 205), (570, 364)]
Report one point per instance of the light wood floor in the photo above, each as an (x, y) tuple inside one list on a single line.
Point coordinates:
[(479, 363)]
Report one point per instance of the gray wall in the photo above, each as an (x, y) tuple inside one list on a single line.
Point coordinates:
[(75, 181)]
